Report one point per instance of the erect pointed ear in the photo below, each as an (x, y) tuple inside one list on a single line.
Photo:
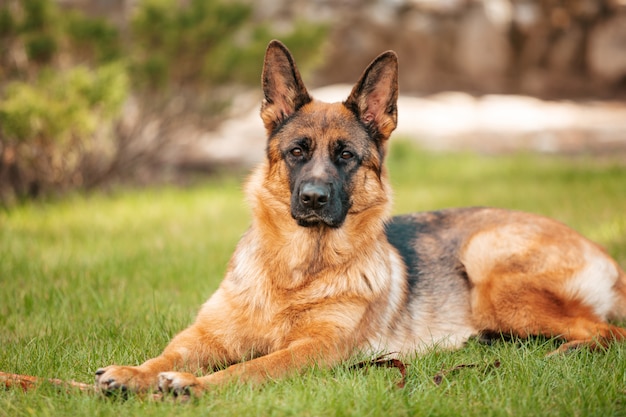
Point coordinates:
[(283, 88), (374, 99)]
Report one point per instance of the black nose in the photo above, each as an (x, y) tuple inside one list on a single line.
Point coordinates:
[(314, 196)]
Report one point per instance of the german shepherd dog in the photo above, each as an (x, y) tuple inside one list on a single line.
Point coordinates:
[(324, 271)]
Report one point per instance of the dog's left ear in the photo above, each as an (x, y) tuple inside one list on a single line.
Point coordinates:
[(283, 88), (374, 99)]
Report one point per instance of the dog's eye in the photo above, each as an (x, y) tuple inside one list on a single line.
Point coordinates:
[(297, 152), (345, 155)]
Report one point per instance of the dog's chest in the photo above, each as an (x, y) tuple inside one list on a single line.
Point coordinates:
[(260, 319)]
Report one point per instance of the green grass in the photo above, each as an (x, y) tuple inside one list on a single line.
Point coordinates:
[(109, 278)]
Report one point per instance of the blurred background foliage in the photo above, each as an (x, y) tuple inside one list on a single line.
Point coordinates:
[(95, 92), (84, 100)]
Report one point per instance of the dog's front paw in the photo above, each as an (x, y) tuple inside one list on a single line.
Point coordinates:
[(123, 378), (179, 383)]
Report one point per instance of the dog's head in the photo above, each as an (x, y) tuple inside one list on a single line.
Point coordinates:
[(329, 154)]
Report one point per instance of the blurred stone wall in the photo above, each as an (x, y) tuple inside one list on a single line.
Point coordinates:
[(549, 48)]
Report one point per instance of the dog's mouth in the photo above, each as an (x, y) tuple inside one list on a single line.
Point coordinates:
[(315, 220)]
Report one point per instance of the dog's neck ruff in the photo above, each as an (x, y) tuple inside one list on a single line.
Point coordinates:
[(310, 251)]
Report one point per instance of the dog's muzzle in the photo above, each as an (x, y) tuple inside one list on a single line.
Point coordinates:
[(314, 204)]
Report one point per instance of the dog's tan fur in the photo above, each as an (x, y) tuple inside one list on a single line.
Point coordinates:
[(314, 287)]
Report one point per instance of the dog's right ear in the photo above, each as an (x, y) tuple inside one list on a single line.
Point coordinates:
[(283, 88)]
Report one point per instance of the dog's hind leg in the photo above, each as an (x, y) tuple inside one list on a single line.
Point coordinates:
[(547, 281), (601, 285), (599, 336), (524, 310)]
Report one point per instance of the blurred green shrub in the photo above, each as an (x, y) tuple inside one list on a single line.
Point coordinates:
[(169, 41), (64, 77), (59, 105), (93, 40), (226, 63), (208, 42), (40, 33), (48, 125)]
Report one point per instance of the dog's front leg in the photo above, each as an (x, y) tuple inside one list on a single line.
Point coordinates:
[(193, 349), (291, 360)]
